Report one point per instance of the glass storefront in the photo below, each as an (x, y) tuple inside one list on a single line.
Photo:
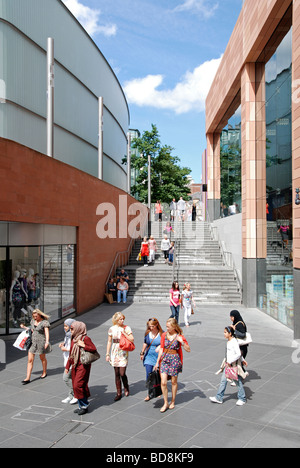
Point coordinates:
[(278, 299), (230, 164), (32, 277), (3, 298)]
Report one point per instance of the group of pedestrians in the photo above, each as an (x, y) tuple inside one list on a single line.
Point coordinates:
[(162, 352), (180, 210), (182, 299), (149, 249)]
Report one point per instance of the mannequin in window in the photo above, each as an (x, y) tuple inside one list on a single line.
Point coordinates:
[(17, 295)]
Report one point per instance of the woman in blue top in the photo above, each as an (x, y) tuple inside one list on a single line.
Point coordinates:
[(151, 346)]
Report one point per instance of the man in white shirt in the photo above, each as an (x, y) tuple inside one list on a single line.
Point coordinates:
[(181, 208)]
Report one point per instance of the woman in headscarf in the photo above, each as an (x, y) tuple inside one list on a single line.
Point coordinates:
[(240, 329), (80, 372), (65, 348)]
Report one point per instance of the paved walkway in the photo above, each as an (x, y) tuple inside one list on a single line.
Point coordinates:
[(33, 416)]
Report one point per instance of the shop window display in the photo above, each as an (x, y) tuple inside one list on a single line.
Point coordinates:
[(3, 290), (35, 277)]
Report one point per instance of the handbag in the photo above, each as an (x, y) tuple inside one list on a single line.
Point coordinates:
[(231, 372), (28, 342), (154, 385), (245, 341), (125, 344), (86, 357)]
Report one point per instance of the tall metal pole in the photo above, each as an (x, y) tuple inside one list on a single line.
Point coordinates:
[(149, 183), (50, 97), (129, 163), (100, 140)]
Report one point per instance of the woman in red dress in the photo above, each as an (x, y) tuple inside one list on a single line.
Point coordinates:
[(145, 251), (80, 372)]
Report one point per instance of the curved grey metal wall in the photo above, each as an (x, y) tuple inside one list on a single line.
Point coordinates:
[(82, 74)]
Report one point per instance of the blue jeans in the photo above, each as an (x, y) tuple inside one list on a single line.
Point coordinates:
[(124, 292), (175, 312), (149, 369), (223, 385), (84, 403)]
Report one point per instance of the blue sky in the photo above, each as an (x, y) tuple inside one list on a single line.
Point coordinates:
[(165, 54)]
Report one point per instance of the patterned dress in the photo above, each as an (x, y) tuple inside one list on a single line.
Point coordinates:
[(171, 363), (39, 338), (118, 357)]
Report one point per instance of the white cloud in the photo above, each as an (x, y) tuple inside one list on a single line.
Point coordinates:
[(188, 95), (198, 6), (89, 19)]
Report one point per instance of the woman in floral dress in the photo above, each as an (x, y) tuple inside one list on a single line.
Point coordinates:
[(40, 342), (116, 356), (170, 360)]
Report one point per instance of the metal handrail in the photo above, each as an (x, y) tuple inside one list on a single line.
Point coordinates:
[(225, 255), (125, 255)]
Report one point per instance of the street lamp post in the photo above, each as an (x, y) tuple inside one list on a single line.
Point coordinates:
[(129, 163), (149, 184)]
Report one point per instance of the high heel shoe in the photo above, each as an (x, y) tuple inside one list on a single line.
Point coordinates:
[(43, 377)]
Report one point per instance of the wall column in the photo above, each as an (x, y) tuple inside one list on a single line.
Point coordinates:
[(213, 176), (254, 225), (296, 161)]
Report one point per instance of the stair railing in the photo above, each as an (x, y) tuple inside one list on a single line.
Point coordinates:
[(122, 258), (227, 256)]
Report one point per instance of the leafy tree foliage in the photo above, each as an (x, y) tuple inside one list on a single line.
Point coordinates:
[(168, 179)]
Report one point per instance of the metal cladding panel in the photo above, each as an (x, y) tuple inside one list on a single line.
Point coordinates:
[(114, 174), (81, 75)]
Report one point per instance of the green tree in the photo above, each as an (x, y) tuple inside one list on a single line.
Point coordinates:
[(168, 179)]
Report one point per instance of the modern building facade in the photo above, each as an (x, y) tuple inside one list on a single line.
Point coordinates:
[(81, 76), (56, 248), (253, 152)]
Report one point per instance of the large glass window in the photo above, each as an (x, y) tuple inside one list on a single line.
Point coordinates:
[(68, 280), (3, 272), (35, 277), (230, 164), (52, 281), (24, 284), (278, 298)]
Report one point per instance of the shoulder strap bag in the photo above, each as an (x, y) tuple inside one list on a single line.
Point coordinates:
[(87, 357)]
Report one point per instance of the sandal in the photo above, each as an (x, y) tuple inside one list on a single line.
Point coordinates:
[(164, 409)]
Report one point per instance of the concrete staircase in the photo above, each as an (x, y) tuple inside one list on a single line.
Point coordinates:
[(198, 261)]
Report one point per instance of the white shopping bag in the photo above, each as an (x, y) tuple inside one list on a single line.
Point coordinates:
[(21, 340)]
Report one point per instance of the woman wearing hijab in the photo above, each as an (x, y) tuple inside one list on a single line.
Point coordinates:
[(240, 329), (65, 348), (80, 372)]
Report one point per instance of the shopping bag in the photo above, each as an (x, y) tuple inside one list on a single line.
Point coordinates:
[(109, 298), (153, 384), (20, 342), (231, 372)]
